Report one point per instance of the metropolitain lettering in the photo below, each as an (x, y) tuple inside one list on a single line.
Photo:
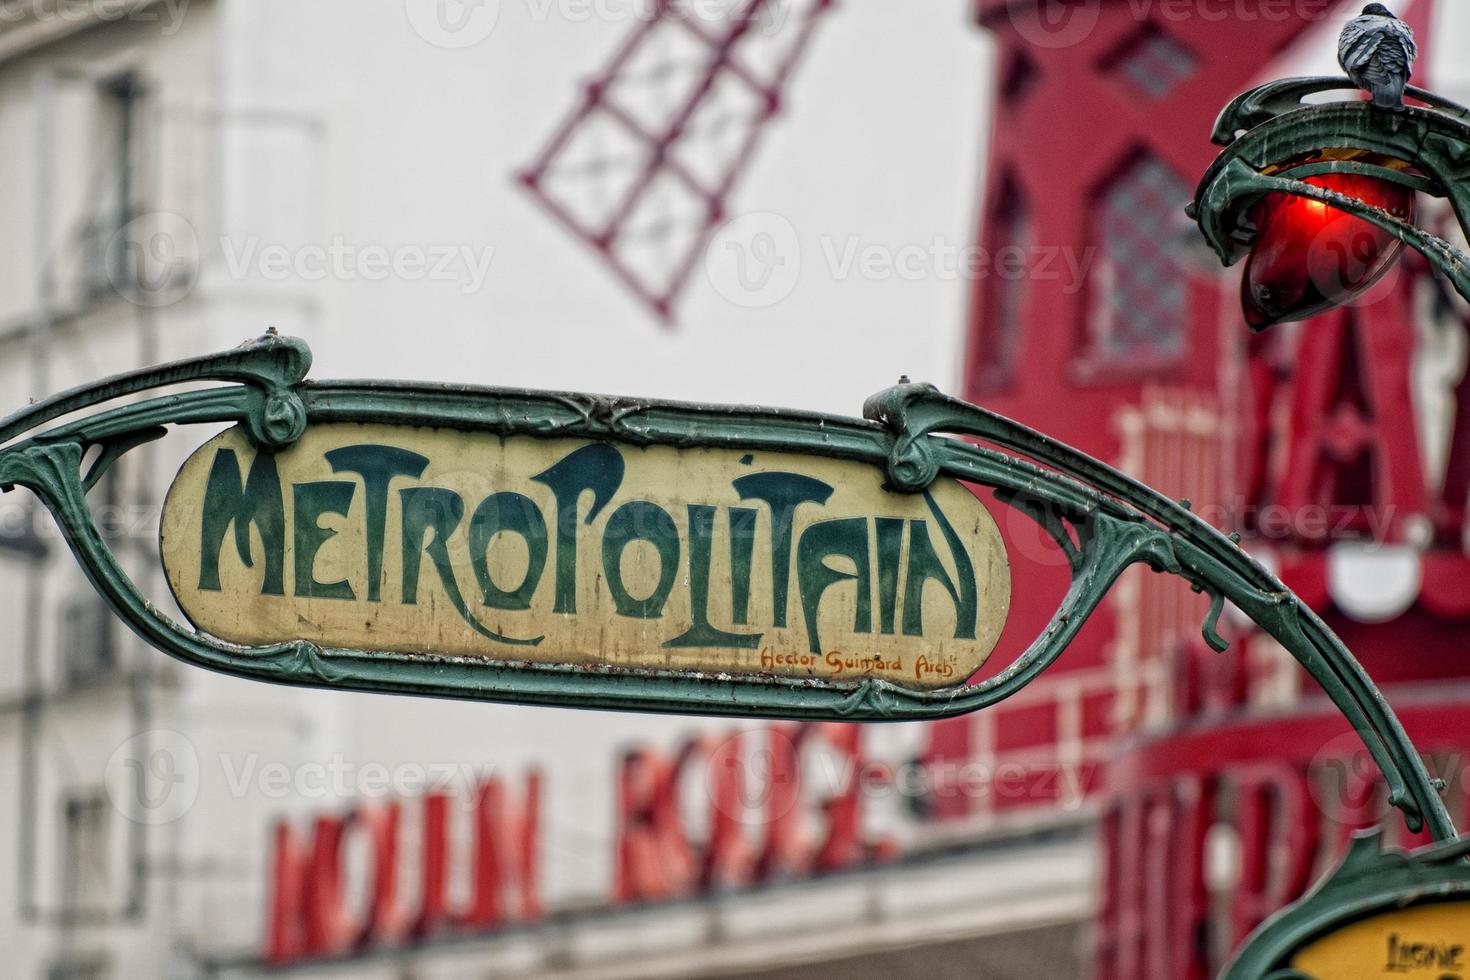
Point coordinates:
[(761, 563)]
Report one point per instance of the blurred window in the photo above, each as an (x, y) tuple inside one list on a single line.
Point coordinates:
[(105, 258), (91, 969), (1002, 289), (1152, 63), (1021, 76), (85, 636), (88, 654), (1139, 294), (85, 832)]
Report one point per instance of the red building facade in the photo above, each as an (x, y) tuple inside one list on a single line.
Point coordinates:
[(1340, 448)]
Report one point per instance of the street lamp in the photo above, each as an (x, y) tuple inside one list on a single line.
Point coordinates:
[(1319, 197)]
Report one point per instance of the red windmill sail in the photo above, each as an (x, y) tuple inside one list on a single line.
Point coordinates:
[(642, 168)]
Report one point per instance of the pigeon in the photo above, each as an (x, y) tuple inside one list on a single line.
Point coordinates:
[(1377, 51)]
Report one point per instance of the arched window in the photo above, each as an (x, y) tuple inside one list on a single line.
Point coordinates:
[(1000, 296), (1138, 309), (1152, 63)]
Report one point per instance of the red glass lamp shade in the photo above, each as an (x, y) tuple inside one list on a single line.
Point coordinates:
[(1310, 257)]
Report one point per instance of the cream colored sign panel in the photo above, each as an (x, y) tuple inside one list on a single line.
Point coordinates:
[(442, 542)]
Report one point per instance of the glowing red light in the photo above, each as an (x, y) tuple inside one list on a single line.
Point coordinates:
[(1310, 257)]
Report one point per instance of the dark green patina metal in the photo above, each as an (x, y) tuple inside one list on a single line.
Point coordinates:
[(1103, 522), (1271, 127), (1267, 134), (1369, 881)]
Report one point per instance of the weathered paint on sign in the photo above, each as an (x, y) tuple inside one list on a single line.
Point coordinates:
[(436, 541), (1425, 942)]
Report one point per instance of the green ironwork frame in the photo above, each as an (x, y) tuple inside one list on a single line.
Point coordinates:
[(1103, 522), (1274, 139), (1367, 882)]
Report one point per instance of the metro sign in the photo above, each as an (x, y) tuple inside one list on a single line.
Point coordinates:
[(620, 553), (585, 551), (439, 542)]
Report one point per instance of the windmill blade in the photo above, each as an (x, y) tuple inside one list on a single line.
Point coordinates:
[(643, 166)]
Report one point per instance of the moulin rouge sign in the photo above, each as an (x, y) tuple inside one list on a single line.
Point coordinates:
[(767, 818), (314, 911), (439, 542)]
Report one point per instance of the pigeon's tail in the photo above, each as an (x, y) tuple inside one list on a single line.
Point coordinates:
[(1388, 96)]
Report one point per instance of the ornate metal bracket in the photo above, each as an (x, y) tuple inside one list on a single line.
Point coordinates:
[(1273, 127)]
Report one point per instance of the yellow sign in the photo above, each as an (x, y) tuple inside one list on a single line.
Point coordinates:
[(1426, 942), (470, 544)]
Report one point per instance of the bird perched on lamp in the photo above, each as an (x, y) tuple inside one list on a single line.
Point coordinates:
[(1377, 51)]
